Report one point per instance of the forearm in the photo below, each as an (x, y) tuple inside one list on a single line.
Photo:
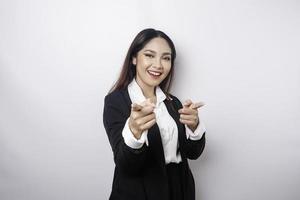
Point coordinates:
[(194, 148)]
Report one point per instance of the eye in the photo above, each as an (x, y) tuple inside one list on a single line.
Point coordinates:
[(149, 55), (167, 58)]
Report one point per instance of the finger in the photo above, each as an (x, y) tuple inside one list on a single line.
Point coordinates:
[(187, 103), (197, 105), (146, 110), (149, 124), (187, 122), (136, 107), (148, 102), (146, 118), (188, 117), (187, 111)]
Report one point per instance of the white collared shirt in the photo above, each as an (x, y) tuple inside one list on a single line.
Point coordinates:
[(166, 124)]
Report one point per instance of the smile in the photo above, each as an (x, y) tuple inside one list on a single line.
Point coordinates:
[(154, 74)]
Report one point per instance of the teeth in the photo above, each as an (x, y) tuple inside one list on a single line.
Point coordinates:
[(154, 73)]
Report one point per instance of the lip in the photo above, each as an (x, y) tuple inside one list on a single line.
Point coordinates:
[(154, 76), (155, 71)]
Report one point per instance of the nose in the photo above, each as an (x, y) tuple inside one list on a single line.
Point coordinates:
[(157, 63)]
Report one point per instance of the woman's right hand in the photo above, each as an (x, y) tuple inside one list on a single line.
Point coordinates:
[(141, 118)]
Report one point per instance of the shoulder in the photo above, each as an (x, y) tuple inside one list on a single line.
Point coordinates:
[(117, 98), (115, 102), (113, 96)]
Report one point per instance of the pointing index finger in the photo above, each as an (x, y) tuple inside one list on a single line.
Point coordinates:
[(197, 105)]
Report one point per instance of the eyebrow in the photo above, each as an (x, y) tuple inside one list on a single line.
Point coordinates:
[(165, 53)]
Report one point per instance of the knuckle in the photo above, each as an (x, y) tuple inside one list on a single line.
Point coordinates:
[(138, 122), (142, 127)]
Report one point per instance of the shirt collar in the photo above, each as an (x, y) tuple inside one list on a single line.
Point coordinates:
[(137, 96)]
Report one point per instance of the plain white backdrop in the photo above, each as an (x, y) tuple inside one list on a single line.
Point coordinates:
[(59, 58)]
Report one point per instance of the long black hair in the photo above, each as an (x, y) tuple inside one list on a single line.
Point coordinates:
[(128, 71)]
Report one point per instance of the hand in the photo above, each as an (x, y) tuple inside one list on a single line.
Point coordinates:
[(189, 114), (142, 117)]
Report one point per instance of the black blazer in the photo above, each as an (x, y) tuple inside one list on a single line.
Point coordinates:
[(140, 174)]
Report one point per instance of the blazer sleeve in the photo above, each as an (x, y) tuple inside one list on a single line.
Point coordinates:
[(192, 148), (115, 114)]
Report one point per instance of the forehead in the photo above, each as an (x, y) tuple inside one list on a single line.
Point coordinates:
[(159, 45)]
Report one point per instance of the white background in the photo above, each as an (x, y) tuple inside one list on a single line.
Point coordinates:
[(59, 58)]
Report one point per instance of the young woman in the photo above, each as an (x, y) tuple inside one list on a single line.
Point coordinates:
[(150, 132)]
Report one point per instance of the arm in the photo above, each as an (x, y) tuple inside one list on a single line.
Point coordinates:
[(194, 148), (194, 145), (115, 115), (197, 133), (130, 140)]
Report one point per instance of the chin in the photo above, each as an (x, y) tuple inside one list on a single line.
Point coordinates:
[(155, 82)]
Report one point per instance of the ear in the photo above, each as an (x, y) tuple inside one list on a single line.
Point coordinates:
[(134, 60)]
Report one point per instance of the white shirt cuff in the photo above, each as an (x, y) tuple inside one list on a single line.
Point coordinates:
[(130, 140), (197, 134)]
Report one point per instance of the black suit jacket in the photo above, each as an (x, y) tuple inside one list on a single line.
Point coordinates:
[(140, 174)]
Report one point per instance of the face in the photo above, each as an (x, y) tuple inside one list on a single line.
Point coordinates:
[(153, 63)]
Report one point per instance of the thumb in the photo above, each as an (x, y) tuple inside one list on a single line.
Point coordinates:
[(187, 103), (136, 107), (149, 102)]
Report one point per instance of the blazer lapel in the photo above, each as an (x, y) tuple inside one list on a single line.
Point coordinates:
[(172, 109)]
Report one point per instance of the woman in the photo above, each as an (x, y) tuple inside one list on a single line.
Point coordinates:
[(151, 134)]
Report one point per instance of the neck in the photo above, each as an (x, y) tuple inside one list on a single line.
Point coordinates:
[(148, 91)]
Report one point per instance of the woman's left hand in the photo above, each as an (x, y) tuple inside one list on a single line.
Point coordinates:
[(189, 114)]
